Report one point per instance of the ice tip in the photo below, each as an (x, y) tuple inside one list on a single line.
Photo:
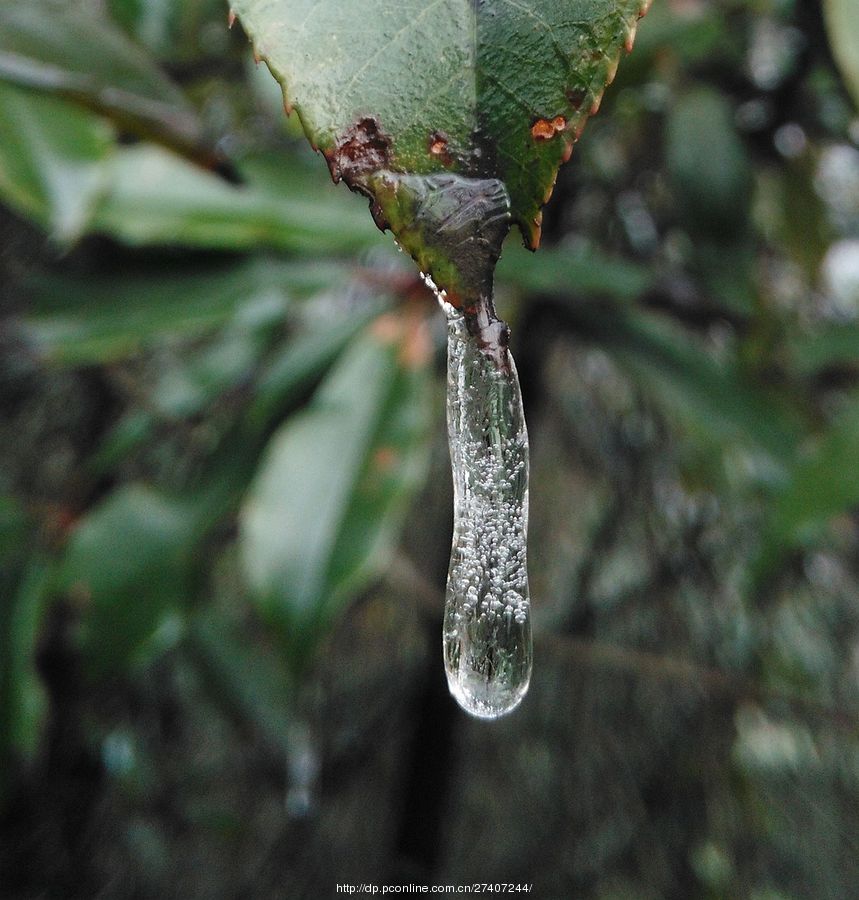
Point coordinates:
[(486, 705)]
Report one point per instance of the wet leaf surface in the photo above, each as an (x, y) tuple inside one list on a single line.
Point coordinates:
[(494, 90)]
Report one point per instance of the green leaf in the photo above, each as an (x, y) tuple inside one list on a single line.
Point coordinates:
[(158, 198), (798, 216), (711, 175), (325, 506), (495, 91), (52, 160), (13, 524), (22, 697), (302, 360), (708, 163), (79, 320), (24, 581), (842, 24), (128, 433), (587, 272), (822, 484), (74, 53), (830, 345), (253, 684), (177, 30), (129, 562)]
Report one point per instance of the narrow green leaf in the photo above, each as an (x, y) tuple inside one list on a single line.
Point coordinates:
[(588, 273), (52, 160), (24, 583), (302, 359), (842, 24), (86, 319), (832, 345), (158, 198), (253, 685), (325, 506), (22, 697), (130, 431), (822, 484), (129, 562), (71, 51), (708, 163)]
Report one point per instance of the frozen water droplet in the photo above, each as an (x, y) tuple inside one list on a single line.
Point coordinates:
[(487, 624)]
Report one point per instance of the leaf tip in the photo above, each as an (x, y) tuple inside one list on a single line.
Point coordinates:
[(533, 232), (630, 37)]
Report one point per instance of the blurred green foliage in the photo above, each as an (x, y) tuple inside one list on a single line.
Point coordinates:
[(224, 502)]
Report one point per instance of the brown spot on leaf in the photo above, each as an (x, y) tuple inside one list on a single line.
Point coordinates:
[(438, 147), (231, 18), (361, 149), (546, 129)]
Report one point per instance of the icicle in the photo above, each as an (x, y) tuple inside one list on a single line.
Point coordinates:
[(454, 228), (487, 620)]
